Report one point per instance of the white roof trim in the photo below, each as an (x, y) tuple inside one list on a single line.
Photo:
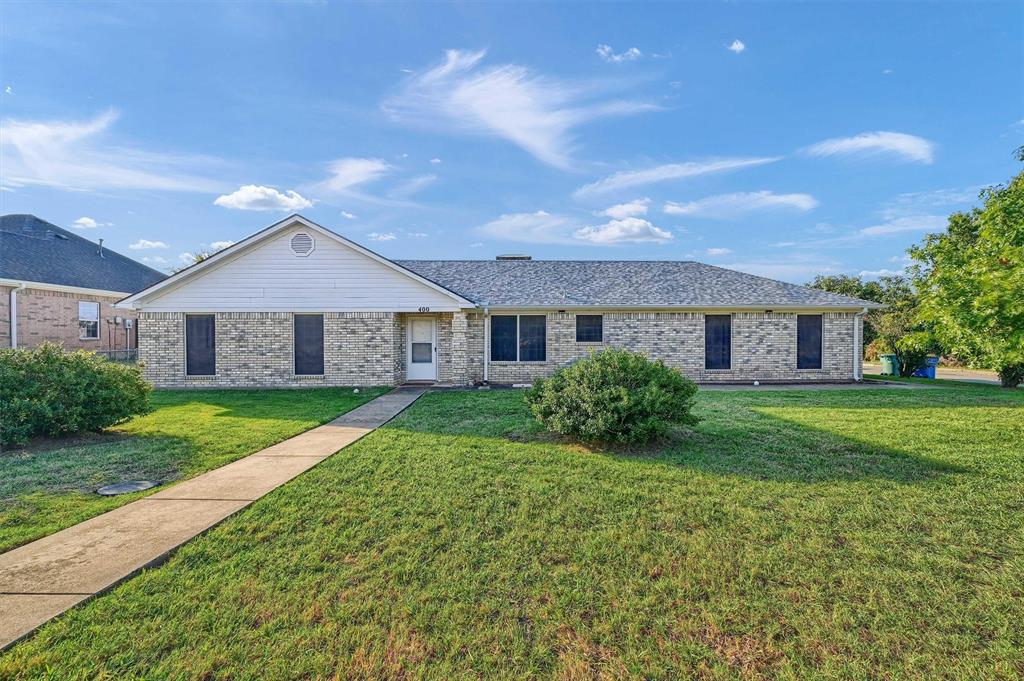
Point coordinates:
[(62, 288), (259, 237)]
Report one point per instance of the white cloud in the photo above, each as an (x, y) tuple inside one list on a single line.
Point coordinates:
[(875, 274), (882, 143), (143, 244), (535, 112), (89, 223), (911, 223), (348, 173), (608, 54), (732, 205), (718, 251), (669, 171), (797, 269), (417, 235), (537, 228), (221, 245), (627, 210), (736, 46), (476, 244), (258, 197), (413, 185), (348, 216), (187, 258), (386, 236), (8, 90), (626, 230), (155, 259), (435, 161), (79, 155), (920, 203)]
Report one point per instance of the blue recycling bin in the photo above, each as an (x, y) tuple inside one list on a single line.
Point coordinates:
[(928, 370)]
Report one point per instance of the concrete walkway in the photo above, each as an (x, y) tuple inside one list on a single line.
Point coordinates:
[(43, 579)]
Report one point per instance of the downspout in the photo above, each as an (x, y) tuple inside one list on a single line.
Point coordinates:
[(487, 343), (858, 351), (14, 314)]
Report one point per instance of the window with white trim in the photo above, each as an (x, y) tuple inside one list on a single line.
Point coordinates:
[(519, 338), (88, 320)]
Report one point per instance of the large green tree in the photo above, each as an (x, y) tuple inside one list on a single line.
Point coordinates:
[(970, 281), (893, 291)]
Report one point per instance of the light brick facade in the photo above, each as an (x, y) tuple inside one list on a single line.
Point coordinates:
[(45, 315), (254, 349)]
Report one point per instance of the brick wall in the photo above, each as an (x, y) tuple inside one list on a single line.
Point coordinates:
[(53, 316)]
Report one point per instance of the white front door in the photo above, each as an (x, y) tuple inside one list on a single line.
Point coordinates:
[(421, 357)]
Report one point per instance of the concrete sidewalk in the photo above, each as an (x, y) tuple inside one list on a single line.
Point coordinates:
[(46, 577)]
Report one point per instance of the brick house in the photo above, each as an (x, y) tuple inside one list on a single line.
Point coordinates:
[(62, 288), (297, 305)]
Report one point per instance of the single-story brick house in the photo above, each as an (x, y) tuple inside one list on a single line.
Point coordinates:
[(298, 305), (56, 286)]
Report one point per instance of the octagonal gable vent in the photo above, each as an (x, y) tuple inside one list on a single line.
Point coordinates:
[(302, 244)]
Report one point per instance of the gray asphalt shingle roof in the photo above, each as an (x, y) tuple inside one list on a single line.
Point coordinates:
[(35, 250), (612, 283)]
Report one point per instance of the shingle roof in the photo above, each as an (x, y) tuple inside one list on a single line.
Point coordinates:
[(35, 250), (529, 283)]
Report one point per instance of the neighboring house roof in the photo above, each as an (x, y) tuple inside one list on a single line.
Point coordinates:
[(38, 251), (610, 283)]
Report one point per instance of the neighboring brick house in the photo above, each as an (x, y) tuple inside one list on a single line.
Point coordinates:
[(63, 288), (296, 304)]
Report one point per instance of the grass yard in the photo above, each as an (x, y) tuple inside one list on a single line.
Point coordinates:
[(828, 534), (50, 485)]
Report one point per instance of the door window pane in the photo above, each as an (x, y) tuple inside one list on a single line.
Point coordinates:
[(503, 338), (200, 345), (808, 341), (421, 353), (717, 341), (532, 338), (309, 344)]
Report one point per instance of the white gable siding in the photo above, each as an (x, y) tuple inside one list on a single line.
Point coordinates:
[(270, 278)]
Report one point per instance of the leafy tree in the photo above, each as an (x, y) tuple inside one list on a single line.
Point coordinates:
[(970, 280), (893, 291)]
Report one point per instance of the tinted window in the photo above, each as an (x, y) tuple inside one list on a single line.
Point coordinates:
[(309, 344), (589, 328), (717, 341), (808, 341), (503, 338), (200, 345), (532, 338)]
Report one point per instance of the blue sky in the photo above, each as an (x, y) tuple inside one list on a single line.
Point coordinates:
[(780, 139)]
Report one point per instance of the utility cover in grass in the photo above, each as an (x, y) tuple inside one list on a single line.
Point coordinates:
[(126, 487)]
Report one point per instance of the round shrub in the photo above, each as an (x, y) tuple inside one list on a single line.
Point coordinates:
[(614, 396), (48, 391)]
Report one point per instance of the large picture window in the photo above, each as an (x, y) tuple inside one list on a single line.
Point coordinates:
[(309, 344), (589, 328), (518, 338), (200, 345), (717, 341), (808, 341), (88, 320)]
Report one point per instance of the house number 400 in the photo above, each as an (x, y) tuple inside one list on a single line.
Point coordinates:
[(424, 309)]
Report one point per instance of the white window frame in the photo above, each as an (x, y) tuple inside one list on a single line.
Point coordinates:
[(81, 329), (517, 360)]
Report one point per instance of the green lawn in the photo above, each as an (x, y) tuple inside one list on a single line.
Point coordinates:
[(795, 534), (45, 489)]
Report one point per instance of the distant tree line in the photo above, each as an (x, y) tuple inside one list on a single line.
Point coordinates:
[(963, 296)]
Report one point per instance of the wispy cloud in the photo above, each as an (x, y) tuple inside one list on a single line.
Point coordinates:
[(435, 161), (79, 155), (348, 216), (912, 223), (535, 112), (715, 252), (626, 230), (346, 174), (875, 274), (378, 236), (741, 203), (893, 144), (146, 244), (669, 171), (540, 227), (918, 203), (626, 210), (89, 223), (413, 185), (221, 245), (736, 46), (798, 268), (608, 54), (258, 197)]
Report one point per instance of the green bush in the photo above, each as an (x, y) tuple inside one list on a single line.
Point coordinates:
[(614, 396), (49, 391)]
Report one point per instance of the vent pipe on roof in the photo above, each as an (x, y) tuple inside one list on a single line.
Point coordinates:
[(101, 248), (513, 256)]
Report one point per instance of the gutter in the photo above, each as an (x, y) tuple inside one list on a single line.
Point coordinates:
[(858, 351), (14, 313)]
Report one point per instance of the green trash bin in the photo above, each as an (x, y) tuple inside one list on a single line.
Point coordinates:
[(890, 367)]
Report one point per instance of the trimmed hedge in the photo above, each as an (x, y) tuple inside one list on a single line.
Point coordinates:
[(48, 391), (614, 396)]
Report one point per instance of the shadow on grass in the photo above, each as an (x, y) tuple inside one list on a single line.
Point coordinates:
[(737, 436)]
